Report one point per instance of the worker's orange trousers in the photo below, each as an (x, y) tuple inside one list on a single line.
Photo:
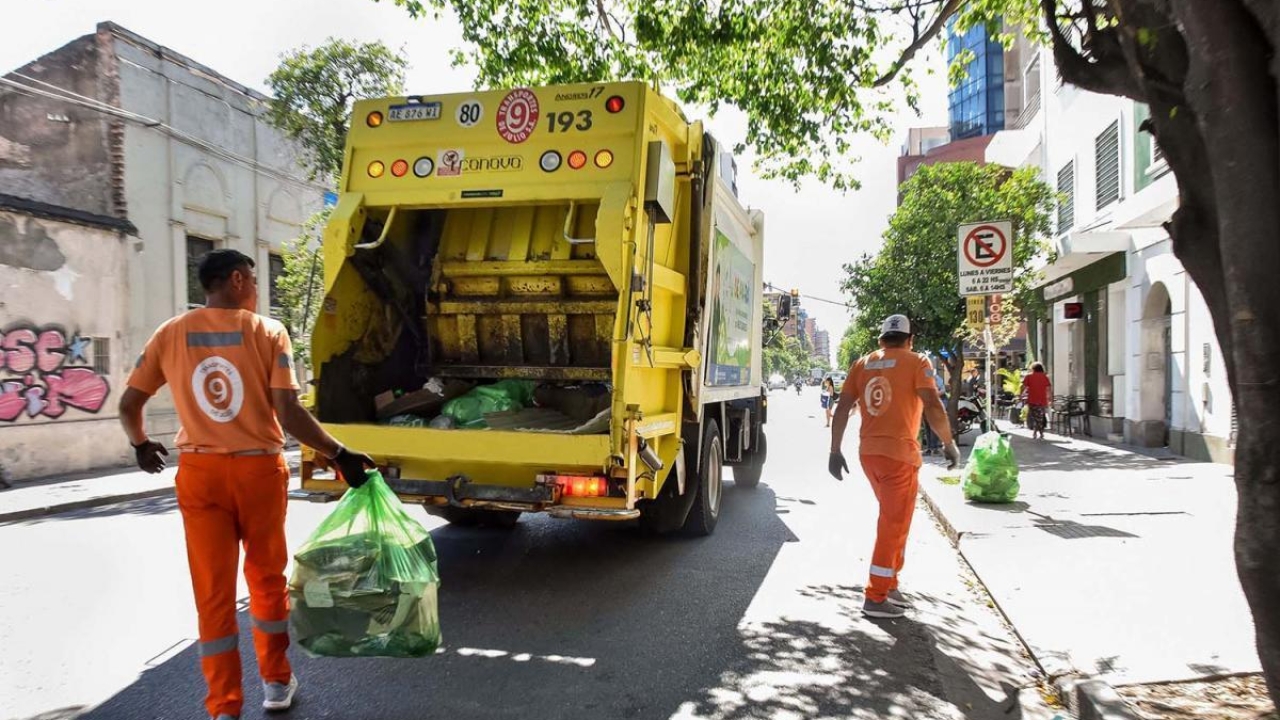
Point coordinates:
[(894, 483), (225, 501)]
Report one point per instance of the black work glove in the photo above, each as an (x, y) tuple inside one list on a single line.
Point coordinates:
[(150, 455), (837, 466), (351, 466)]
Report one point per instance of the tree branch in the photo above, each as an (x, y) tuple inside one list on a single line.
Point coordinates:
[(921, 40), (1104, 71)]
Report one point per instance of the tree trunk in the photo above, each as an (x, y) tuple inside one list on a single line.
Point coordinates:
[(1234, 98)]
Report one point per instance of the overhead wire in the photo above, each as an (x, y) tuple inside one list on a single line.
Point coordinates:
[(64, 95)]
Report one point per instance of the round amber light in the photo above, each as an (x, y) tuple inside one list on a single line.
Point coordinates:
[(604, 159), (577, 159), (399, 168), (376, 168), (374, 119)]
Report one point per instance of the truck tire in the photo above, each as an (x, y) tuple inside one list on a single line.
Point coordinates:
[(667, 512), (467, 517), (709, 479), (747, 475)]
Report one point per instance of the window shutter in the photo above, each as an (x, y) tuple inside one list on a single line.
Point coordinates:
[(1067, 203), (1107, 162)]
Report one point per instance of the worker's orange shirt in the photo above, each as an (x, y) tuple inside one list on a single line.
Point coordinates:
[(886, 382), (220, 365)]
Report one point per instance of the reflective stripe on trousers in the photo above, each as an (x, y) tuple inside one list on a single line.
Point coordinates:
[(229, 501), (894, 483)]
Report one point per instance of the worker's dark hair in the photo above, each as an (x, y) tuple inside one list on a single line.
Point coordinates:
[(217, 266), (895, 339), (1037, 367)]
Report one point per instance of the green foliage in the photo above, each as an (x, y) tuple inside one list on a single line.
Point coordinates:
[(856, 342), (301, 286), (915, 272), (315, 89), (809, 76), (1011, 381)]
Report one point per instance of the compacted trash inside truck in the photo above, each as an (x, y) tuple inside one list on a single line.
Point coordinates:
[(569, 267)]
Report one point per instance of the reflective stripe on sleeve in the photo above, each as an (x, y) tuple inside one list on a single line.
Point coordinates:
[(217, 647), (879, 571)]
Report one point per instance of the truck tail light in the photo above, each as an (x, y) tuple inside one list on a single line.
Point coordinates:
[(578, 485), (577, 159), (604, 159), (399, 168), (373, 119), (376, 168), (614, 104)]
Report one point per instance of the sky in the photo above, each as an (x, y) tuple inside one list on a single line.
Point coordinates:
[(809, 234)]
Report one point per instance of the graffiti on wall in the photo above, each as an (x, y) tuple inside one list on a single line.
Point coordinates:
[(44, 371)]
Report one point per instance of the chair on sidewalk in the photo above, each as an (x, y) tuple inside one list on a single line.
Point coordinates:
[(1077, 410), (1058, 416)]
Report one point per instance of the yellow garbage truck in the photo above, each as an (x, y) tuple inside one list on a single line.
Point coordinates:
[(542, 300)]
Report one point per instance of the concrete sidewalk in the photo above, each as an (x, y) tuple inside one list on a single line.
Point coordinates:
[(1111, 565), (49, 496)]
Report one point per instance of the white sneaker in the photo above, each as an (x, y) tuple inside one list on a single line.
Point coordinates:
[(278, 696)]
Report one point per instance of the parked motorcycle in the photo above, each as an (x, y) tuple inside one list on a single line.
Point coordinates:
[(970, 411)]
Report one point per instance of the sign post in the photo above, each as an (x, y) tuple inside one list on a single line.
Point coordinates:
[(985, 258)]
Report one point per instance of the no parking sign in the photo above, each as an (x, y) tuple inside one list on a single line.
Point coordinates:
[(986, 258)]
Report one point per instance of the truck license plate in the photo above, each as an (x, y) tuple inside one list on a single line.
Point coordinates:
[(416, 111)]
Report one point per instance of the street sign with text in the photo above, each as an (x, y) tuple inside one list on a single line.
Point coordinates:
[(975, 311), (986, 258)]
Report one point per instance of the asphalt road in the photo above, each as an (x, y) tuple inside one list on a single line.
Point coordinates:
[(554, 619)]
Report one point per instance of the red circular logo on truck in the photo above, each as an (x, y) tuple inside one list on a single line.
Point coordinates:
[(517, 115)]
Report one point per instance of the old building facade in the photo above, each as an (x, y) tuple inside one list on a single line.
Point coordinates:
[(120, 127)]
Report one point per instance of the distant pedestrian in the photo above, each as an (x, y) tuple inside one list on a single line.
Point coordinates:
[(893, 387), (828, 398), (1036, 392), (230, 372), (932, 443)]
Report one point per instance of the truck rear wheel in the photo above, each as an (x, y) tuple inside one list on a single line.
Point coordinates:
[(667, 512), (710, 484), (747, 475), (467, 517)]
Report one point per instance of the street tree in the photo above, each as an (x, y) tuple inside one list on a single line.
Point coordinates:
[(915, 272), (301, 286), (810, 76), (315, 88)]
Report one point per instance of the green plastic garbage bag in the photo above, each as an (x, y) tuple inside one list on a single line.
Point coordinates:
[(468, 411), (991, 474), (365, 583)]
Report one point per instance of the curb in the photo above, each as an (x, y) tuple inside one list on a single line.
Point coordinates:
[(1087, 698), (48, 510)]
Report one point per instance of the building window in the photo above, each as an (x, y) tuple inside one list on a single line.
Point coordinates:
[(102, 355), (1031, 88), (1067, 201), (276, 272), (1107, 165), (197, 248)]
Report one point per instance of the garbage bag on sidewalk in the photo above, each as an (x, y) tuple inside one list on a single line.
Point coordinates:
[(469, 410), (365, 583), (991, 474)]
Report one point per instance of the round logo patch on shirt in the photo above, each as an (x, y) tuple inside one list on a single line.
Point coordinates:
[(877, 396), (218, 389)]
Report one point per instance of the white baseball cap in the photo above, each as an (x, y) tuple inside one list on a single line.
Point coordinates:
[(895, 324)]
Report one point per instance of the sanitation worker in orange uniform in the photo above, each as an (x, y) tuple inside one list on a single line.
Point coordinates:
[(231, 374), (892, 387)]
